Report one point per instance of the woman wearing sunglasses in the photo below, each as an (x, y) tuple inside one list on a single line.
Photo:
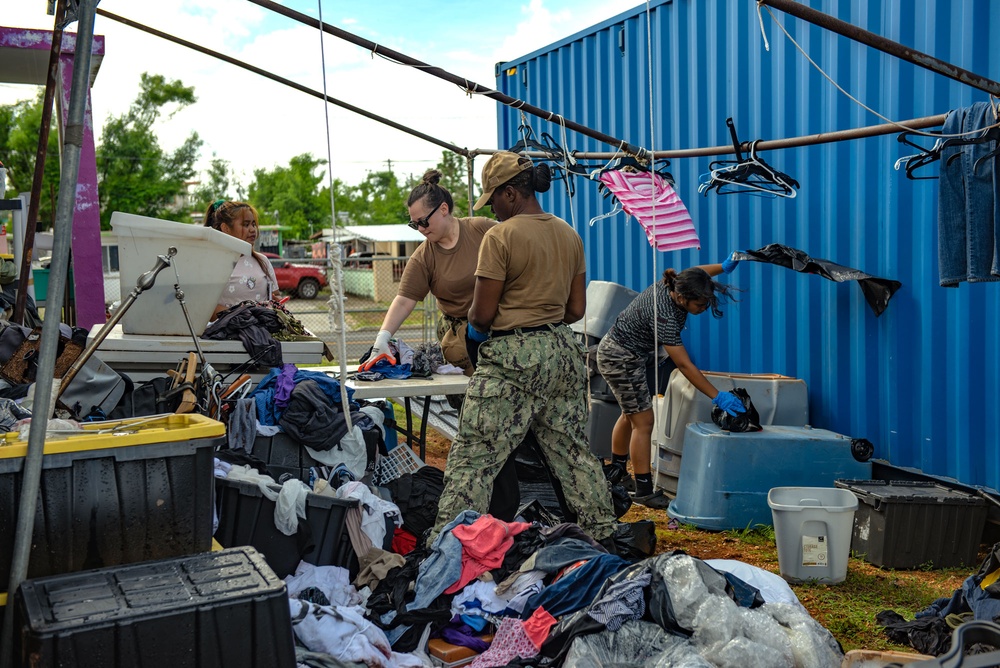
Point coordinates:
[(443, 265)]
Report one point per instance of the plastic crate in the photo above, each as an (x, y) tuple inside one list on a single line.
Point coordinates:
[(116, 493), (910, 524), (246, 517), (399, 461), (283, 454), (213, 610)]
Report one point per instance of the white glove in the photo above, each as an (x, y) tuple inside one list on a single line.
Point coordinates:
[(380, 350)]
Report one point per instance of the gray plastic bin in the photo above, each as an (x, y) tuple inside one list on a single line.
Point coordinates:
[(605, 300), (813, 527)]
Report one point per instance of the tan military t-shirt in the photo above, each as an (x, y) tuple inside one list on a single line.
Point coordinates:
[(537, 257), (449, 275)]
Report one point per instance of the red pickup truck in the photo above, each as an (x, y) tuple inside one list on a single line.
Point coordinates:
[(304, 280)]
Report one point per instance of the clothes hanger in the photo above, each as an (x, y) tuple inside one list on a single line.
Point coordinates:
[(614, 212), (747, 174), (563, 163), (926, 156)]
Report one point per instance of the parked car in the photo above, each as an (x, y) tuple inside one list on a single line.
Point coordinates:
[(362, 259), (304, 280)]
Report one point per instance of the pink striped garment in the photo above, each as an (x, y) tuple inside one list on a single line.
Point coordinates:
[(665, 219)]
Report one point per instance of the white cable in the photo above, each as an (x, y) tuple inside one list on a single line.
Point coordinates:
[(345, 403), (854, 99)]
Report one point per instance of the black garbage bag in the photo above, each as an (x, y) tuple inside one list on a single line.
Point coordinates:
[(635, 541), (620, 498), (748, 421), (877, 291)]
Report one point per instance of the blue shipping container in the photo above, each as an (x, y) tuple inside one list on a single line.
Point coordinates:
[(923, 380)]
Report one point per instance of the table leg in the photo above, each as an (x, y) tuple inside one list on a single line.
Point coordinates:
[(409, 422), (423, 428)]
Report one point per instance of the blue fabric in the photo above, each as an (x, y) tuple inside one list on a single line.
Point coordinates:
[(443, 566), (263, 394), (266, 413), (969, 598), (563, 552), (968, 209), (384, 369), (475, 621), (576, 590)]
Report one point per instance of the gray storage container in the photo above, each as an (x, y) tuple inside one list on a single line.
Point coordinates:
[(780, 400), (812, 528), (603, 415), (605, 300)]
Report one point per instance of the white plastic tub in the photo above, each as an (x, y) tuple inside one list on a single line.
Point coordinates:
[(812, 528), (204, 261)]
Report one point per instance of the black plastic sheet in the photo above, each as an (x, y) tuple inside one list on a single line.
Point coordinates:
[(877, 291)]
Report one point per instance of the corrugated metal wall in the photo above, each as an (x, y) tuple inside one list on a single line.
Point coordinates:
[(923, 380)]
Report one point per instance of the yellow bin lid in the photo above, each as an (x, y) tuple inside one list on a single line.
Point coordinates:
[(121, 433)]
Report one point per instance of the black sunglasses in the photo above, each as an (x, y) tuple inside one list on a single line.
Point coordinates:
[(425, 221)]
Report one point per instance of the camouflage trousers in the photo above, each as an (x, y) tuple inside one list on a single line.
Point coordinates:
[(533, 381)]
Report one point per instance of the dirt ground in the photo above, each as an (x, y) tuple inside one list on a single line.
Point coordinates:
[(846, 609)]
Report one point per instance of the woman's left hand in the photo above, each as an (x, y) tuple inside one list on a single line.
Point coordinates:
[(730, 263)]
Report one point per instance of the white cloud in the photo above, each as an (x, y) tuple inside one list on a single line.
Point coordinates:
[(256, 123)]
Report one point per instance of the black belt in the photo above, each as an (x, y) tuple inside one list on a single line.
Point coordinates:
[(524, 330)]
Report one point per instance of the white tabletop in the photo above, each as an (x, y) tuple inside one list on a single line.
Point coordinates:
[(144, 356), (437, 384)]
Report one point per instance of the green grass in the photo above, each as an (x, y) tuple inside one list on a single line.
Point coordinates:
[(848, 608), (758, 534)]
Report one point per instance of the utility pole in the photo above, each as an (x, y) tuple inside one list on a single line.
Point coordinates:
[(389, 162)]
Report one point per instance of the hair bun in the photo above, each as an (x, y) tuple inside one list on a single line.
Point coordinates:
[(542, 177), (431, 177)]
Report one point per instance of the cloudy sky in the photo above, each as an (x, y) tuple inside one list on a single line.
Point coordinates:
[(256, 123)]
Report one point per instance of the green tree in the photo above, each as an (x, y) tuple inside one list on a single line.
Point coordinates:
[(378, 200), (20, 124), (291, 196), (134, 173), (454, 177), (217, 185)]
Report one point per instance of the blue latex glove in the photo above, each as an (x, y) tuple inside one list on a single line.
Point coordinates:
[(729, 264), (728, 402), (476, 335)]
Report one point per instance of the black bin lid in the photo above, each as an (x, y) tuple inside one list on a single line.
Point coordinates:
[(909, 491)]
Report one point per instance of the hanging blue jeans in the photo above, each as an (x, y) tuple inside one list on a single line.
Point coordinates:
[(968, 206)]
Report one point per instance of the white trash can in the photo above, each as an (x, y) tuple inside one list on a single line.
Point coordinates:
[(813, 527)]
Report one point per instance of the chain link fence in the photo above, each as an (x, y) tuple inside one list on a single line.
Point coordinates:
[(370, 284)]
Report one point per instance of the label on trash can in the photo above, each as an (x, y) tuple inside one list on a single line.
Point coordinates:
[(814, 551)]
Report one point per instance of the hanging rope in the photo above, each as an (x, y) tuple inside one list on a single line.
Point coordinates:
[(899, 124), (336, 302), (652, 196)]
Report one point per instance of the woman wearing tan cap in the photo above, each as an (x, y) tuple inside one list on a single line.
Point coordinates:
[(530, 282)]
